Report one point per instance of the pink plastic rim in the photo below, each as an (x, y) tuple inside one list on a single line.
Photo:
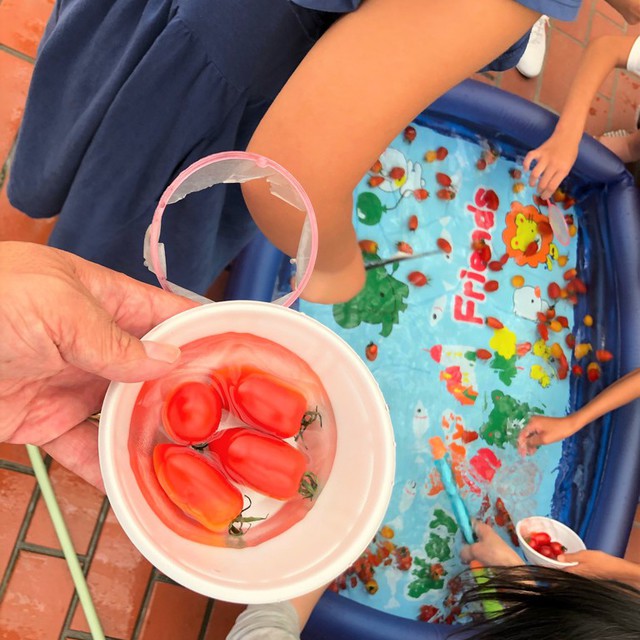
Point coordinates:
[(260, 161)]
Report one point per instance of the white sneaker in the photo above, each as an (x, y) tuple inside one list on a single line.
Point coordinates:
[(530, 65)]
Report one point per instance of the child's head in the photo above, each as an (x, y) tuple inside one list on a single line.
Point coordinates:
[(551, 604)]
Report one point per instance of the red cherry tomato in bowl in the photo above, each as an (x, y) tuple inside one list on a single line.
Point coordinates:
[(191, 412), (268, 403), (196, 487), (262, 462)]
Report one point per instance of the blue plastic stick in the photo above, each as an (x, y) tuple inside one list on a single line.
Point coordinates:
[(459, 509)]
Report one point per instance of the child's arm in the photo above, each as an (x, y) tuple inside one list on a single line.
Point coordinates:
[(490, 550), (543, 430), (364, 80), (555, 157), (600, 565)]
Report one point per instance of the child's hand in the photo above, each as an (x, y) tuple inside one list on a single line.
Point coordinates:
[(543, 430), (553, 161), (597, 564), (490, 550)]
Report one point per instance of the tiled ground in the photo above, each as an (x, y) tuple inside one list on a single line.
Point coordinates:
[(134, 601)]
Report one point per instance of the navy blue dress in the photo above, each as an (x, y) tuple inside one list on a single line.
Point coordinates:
[(127, 93)]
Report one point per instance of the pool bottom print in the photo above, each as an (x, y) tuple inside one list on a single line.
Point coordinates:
[(466, 342)]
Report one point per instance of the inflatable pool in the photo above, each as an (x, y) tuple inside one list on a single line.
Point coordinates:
[(471, 338)]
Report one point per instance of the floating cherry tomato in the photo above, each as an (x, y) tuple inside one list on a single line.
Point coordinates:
[(441, 153), (191, 412), (444, 245), (420, 194), (409, 134), (496, 265), (267, 464), (418, 279), (368, 246), (268, 403), (396, 173), (603, 355), (577, 370), (413, 223), (404, 247), (481, 164), (371, 351), (446, 194), (377, 167), (375, 181), (196, 487), (494, 323), (516, 174), (491, 285), (593, 371), (553, 290), (543, 330), (483, 354), (431, 156), (443, 179)]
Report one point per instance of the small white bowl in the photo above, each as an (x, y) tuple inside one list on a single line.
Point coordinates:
[(557, 531), (347, 513)]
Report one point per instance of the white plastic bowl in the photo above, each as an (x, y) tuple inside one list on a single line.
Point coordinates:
[(347, 513), (558, 531)]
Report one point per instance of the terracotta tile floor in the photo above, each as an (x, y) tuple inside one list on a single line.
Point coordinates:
[(134, 601)]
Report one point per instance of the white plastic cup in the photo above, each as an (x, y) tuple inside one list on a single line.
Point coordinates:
[(557, 531), (350, 508)]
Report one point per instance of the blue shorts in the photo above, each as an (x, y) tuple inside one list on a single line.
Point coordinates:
[(127, 93)]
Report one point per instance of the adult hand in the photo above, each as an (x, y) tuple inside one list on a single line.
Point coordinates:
[(544, 430), (490, 550), (600, 565), (68, 327), (553, 161)]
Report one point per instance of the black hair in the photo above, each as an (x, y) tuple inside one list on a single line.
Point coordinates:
[(549, 604)]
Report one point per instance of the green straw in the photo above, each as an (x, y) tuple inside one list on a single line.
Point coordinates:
[(65, 542)]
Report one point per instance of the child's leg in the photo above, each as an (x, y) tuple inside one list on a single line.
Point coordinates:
[(626, 147), (365, 79)]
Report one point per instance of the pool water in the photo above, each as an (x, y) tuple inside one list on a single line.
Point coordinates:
[(457, 342)]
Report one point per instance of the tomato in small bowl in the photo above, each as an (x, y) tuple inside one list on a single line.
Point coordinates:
[(543, 539)]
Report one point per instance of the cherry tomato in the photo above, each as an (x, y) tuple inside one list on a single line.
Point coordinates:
[(557, 548), (262, 462), (371, 351), (418, 279), (541, 538), (196, 487), (191, 412), (444, 245), (446, 194), (443, 179), (441, 153), (396, 173), (268, 403), (546, 551), (410, 134), (413, 223)]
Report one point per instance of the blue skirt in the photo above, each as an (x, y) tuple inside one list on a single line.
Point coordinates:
[(126, 94)]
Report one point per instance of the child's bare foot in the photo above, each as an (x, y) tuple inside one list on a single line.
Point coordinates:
[(625, 145)]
